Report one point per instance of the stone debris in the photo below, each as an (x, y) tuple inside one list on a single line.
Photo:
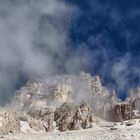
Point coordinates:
[(10, 123), (113, 128), (130, 123)]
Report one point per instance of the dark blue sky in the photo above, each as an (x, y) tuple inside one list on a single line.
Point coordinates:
[(110, 31)]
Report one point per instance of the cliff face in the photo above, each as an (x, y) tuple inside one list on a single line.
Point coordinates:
[(134, 101), (56, 91), (68, 103), (42, 94)]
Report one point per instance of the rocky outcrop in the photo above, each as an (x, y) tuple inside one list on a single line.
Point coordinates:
[(116, 110), (10, 123), (71, 117), (58, 94), (46, 115), (107, 111), (56, 91), (83, 118), (123, 111), (64, 116), (61, 91), (94, 84), (134, 99), (32, 94), (40, 93)]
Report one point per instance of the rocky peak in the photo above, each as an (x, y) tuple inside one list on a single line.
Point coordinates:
[(61, 91), (85, 76)]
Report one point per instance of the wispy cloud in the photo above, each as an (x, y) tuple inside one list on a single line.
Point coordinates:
[(33, 40)]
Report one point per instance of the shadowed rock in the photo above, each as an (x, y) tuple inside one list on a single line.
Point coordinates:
[(71, 117), (123, 111), (83, 118), (64, 116)]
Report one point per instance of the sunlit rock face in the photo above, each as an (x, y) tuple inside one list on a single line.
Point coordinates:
[(32, 94), (94, 84), (37, 87), (59, 93)]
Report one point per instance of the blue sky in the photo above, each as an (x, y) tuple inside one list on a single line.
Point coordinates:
[(110, 31)]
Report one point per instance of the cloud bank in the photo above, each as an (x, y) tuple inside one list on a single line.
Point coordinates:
[(34, 42)]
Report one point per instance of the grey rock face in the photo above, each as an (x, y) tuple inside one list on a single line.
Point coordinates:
[(123, 111)]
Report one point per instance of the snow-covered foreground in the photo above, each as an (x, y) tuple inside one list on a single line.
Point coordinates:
[(104, 131)]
